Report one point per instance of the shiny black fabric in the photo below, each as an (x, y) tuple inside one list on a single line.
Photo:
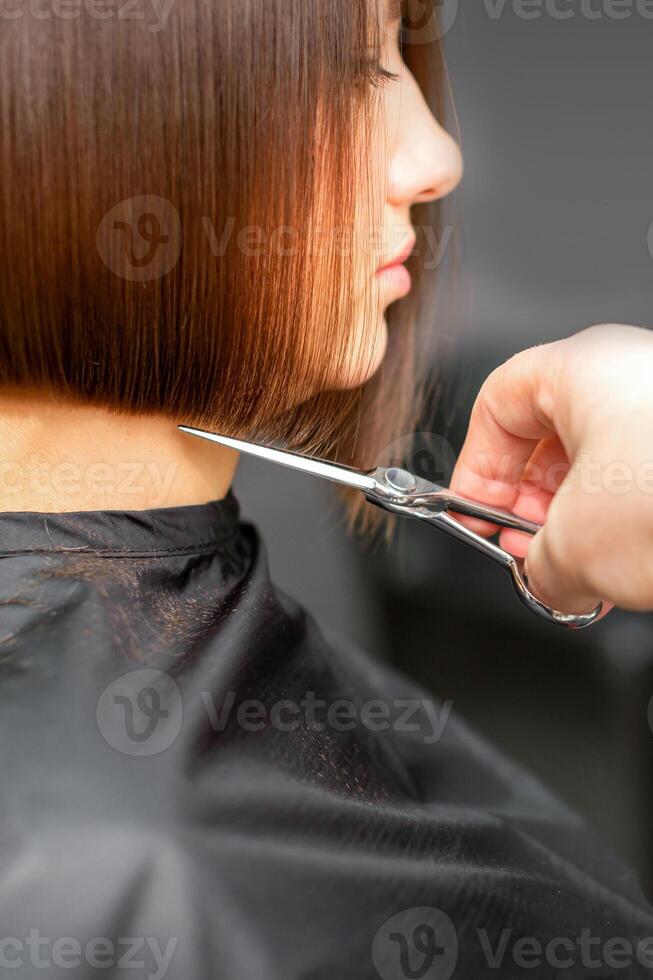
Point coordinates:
[(197, 785)]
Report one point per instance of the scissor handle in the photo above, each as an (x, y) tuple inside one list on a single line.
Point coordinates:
[(574, 621), (514, 566)]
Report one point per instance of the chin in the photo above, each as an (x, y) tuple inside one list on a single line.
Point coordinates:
[(364, 364)]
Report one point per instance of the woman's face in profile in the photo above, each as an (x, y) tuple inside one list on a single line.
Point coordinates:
[(256, 324), (413, 160)]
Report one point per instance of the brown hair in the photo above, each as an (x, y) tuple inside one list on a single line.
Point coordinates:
[(160, 187)]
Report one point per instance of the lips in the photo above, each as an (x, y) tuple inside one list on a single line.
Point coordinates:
[(400, 257)]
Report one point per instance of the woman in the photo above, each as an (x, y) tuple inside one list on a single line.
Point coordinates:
[(195, 782)]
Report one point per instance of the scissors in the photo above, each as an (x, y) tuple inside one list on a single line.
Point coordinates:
[(401, 492)]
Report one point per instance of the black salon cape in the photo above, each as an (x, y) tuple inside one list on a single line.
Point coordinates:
[(169, 808)]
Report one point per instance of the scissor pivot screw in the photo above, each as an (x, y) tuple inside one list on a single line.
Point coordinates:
[(400, 480)]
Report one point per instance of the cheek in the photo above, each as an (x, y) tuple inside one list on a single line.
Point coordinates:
[(368, 337), (372, 353), (367, 349)]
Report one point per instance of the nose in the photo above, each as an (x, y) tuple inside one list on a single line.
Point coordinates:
[(426, 163)]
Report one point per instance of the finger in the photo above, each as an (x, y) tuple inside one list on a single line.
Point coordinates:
[(606, 610), (508, 421), (532, 503), (548, 466), (543, 474), (595, 540), (548, 580), (559, 557)]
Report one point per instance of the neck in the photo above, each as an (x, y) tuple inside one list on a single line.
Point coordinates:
[(57, 456)]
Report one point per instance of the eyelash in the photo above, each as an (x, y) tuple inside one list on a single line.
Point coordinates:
[(372, 69), (377, 71)]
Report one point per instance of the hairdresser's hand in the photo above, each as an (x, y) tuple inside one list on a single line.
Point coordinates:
[(563, 434)]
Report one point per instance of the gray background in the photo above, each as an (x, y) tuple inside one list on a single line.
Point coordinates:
[(552, 217)]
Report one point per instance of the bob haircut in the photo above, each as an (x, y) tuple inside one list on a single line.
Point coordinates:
[(160, 189)]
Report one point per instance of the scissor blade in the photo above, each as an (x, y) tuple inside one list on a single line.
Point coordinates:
[(317, 467)]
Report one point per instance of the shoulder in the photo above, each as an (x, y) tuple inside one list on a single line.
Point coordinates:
[(466, 783)]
